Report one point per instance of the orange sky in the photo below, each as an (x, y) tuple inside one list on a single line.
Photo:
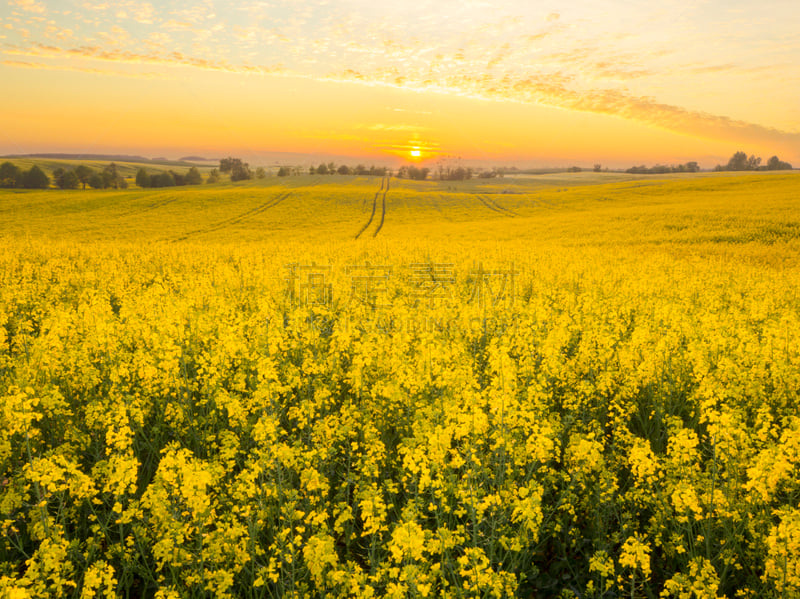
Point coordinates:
[(495, 82)]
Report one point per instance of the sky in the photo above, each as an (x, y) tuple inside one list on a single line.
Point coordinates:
[(528, 82)]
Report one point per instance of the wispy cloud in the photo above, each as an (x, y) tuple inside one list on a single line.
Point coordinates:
[(49, 67), (29, 6), (393, 127), (170, 59)]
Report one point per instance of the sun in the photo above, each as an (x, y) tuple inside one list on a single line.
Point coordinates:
[(415, 152)]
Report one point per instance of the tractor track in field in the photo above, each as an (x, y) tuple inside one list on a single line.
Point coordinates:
[(235, 220), (374, 209), (383, 210), (492, 205), (148, 208), (375, 199)]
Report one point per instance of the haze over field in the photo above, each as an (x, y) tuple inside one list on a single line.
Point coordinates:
[(534, 83)]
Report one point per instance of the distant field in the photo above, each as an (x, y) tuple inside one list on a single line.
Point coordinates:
[(576, 385), (126, 169), (564, 209)]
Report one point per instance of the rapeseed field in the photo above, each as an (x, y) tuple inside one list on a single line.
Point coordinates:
[(381, 388)]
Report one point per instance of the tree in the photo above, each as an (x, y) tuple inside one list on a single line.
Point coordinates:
[(413, 172), (236, 168), (178, 178), (58, 175), (67, 180), (213, 176), (261, 173), (165, 179), (83, 173), (10, 175), (226, 164), (597, 167), (193, 177), (322, 169), (738, 162), (285, 171), (142, 178), (312, 170), (96, 181), (35, 178), (776, 164), (110, 175), (112, 178), (241, 171), (343, 170)]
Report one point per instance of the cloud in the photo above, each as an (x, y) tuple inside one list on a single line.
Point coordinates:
[(393, 127), (49, 67), (169, 59), (556, 92), (29, 5)]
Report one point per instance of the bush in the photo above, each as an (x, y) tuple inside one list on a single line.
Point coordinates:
[(35, 178)]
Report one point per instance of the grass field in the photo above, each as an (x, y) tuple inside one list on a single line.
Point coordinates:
[(576, 385)]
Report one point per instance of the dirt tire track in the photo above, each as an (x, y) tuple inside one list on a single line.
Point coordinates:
[(494, 203), (483, 201), (383, 212), (377, 193), (148, 208), (237, 219), (374, 206)]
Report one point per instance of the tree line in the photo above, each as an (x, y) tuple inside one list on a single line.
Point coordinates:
[(11, 176), (659, 169), (63, 178), (331, 169), (171, 178), (742, 162)]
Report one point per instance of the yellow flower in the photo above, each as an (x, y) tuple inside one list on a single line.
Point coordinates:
[(635, 555)]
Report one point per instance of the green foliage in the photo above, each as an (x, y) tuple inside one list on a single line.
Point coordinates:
[(35, 178), (740, 162), (10, 175), (96, 181), (241, 172), (66, 179), (165, 179), (142, 178), (449, 173), (414, 173), (776, 164), (193, 177), (658, 169), (83, 173)]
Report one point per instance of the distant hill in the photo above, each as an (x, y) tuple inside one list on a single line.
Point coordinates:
[(197, 159), (124, 158), (114, 157)]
